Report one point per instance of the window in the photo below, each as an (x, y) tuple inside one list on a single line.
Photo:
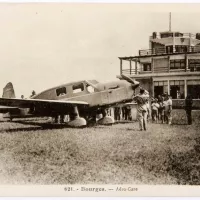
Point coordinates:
[(78, 88), (194, 91), (166, 35), (160, 87), (177, 89), (160, 83), (193, 88), (177, 64), (90, 89), (61, 91), (177, 34), (170, 34), (181, 49), (146, 67), (194, 65)]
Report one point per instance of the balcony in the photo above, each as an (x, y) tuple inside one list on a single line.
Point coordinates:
[(164, 50), (129, 71), (174, 34)]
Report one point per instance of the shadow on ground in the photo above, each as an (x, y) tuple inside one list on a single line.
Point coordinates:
[(185, 167), (35, 126)]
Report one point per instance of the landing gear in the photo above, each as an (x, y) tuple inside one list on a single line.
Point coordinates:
[(62, 119), (76, 120), (92, 121), (56, 119), (106, 120), (10, 119)]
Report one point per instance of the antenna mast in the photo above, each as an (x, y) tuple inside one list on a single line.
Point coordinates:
[(170, 21)]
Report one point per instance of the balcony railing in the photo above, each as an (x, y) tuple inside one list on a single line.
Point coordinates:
[(141, 72), (159, 51), (188, 35), (129, 71), (177, 35)]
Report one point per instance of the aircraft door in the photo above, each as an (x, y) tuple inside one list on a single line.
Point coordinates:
[(117, 95), (114, 95), (105, 97)]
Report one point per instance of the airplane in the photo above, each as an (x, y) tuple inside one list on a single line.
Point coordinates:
[(81, 101)]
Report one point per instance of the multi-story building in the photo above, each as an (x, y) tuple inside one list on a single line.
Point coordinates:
[(170, 65)]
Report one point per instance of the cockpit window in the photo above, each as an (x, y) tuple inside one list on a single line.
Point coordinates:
[(90, 89), (61, 91), (93, 81), (78, 88)]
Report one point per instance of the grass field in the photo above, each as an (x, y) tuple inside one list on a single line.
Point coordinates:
[(32, 152)]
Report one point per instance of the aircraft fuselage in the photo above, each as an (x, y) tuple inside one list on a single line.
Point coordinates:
[(98, 94)]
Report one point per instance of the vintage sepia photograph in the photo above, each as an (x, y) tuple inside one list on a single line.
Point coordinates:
[(99, 94)]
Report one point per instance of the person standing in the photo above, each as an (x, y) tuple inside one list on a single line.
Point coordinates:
[(168, 109), (142, 111), (148, 109), (154, 107), (162, 110), (129, 116), (160, 99), (33, 94), (117, 113), (123, 112), (188, 108), (126, 113)]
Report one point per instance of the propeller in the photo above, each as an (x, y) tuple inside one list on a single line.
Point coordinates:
[(130, 80)]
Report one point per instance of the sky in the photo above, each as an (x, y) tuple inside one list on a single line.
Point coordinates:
[(43, 45)]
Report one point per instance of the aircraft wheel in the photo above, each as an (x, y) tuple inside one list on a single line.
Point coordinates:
[(107, 120), (78, 122)]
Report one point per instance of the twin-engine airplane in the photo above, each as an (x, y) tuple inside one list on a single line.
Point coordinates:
[(82, 101)]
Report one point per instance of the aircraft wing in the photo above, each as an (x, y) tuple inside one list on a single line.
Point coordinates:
[(5, 109), (41, 104)]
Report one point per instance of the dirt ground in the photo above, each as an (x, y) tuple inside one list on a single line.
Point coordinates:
[(35, 152)]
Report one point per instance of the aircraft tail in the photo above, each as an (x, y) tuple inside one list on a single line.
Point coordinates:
[(8, 91)]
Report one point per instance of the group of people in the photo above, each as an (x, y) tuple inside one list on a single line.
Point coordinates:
[(32, 95), (161, 108), (123, 113)]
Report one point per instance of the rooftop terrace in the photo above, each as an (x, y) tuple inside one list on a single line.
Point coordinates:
[(164, 50)]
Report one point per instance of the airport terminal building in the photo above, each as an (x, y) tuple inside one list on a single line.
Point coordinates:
[(170, 65)]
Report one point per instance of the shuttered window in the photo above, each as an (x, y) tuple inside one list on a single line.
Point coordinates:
[(177, 64), (194, 65)]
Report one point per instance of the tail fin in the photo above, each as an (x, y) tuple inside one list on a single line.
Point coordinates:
[(8, 91)]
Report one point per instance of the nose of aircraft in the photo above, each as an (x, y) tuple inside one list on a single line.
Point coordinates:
[(134, 83)]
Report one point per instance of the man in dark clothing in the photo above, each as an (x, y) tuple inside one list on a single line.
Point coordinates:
[(33, 93), (188, 108), (117, 113), (128, 110), (123, 112)]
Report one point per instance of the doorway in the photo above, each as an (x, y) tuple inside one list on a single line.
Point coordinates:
[(169, 49), (158, 90), (174, 89)]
